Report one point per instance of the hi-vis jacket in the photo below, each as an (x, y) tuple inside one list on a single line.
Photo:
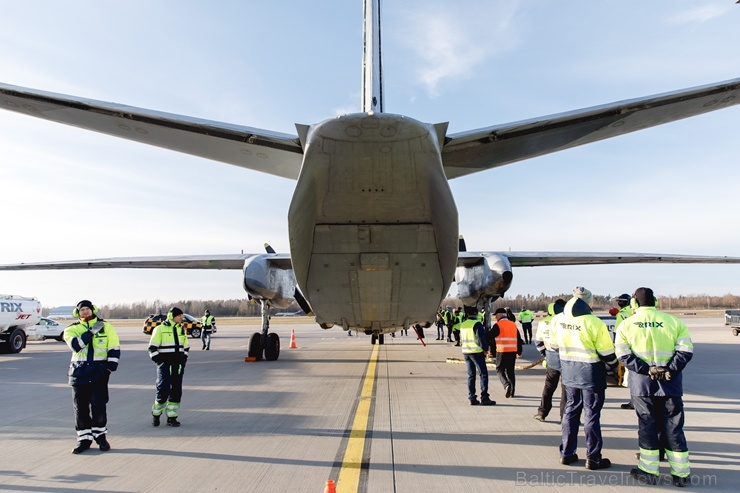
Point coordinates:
[(526, 316), (624, 312), (169, 343), (473, 337), (544, 336), (207, 321), (93, 355), (654, 338), (508, 339), (583, 346)]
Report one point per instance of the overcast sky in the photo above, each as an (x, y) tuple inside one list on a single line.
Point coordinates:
[(72, 194)]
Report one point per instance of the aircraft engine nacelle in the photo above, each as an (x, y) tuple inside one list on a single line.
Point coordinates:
[(482, 277), (269, 278)]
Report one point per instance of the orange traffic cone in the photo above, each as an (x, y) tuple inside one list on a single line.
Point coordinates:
[(292, 339), (330, 487)]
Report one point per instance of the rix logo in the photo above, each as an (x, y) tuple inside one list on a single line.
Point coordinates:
[(570, 327), (643, 325), (10, 307), (23, 316)]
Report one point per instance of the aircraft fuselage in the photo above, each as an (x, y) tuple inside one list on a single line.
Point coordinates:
[(373, 224)]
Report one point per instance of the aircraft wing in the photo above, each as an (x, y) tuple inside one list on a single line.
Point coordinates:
[(477, 150), (539, 259), (261, 150), (228, 261)]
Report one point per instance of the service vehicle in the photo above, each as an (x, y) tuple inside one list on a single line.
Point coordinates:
[(611, 322), (16, 314), (732, 318), (46, 329), (192, 325)]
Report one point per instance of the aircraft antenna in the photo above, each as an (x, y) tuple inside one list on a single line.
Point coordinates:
[(372, 68)]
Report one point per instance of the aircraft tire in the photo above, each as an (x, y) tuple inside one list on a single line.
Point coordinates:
[(272, 347), (373, 339), (255, 346), (381, 338)]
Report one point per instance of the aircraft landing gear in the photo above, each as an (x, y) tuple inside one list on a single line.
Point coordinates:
[(264, 341), (379, 338)]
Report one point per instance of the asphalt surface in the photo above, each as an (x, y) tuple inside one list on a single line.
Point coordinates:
[(289, 425)]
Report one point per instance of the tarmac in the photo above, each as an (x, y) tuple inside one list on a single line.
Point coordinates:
[(385, 418)]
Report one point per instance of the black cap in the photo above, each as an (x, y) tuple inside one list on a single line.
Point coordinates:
[(500, 310), (623, 297), (644, 297), (208, 312), (175, 311), (86, 303)]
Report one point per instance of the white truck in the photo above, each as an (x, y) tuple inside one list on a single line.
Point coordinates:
[(732, 318), (16, 313)]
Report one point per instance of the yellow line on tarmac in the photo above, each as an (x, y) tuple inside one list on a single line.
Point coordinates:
[(349, 472)]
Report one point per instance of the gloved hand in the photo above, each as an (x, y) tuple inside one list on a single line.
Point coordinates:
[(97, 327), (659, 373), (544, 363)]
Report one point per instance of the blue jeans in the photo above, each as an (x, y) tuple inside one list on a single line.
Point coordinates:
[(477, 361), (205, 336), (578, 400)]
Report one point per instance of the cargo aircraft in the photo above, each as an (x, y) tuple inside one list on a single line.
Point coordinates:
[(373, 227)]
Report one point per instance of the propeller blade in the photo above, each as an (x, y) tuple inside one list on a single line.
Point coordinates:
[(302, 302), (461, 244), (268, 248)]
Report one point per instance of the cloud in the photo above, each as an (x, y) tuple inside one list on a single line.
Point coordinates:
[(700, 15), (449, 46)]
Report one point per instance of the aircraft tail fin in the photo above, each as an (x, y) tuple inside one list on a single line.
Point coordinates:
[(372, 70)]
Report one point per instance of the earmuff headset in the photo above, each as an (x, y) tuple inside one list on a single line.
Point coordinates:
[(634, 304), (76, 311)]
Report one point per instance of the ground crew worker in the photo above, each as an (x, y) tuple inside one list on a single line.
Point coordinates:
[(208, 322), (655, 347), (95, 354), (508, 347), (168, 348), (474, 347), (552, 375), (449, 321), (625, 311), (583, 346), (440, 323), (525, 318), (457, 318)]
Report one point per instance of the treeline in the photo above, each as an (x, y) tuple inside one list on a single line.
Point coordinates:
[(245, 308), (605, 302), (196, 308)]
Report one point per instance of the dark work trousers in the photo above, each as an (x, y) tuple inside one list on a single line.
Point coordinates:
[(505, 368), (169, 382), (449, 333), (89, 401), (552, 377), (527, 332), (660, 423), (590, 401), (473, 362), (440, 331)]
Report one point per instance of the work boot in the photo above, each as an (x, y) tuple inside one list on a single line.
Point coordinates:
[(568, 460), (474, 402), (82, 445), (509, 392), (103, 443), (155, 420), (627, 405), (539, 417), (596, 464), (680, 482), (173, 422), (643, 477), (487, 402)]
